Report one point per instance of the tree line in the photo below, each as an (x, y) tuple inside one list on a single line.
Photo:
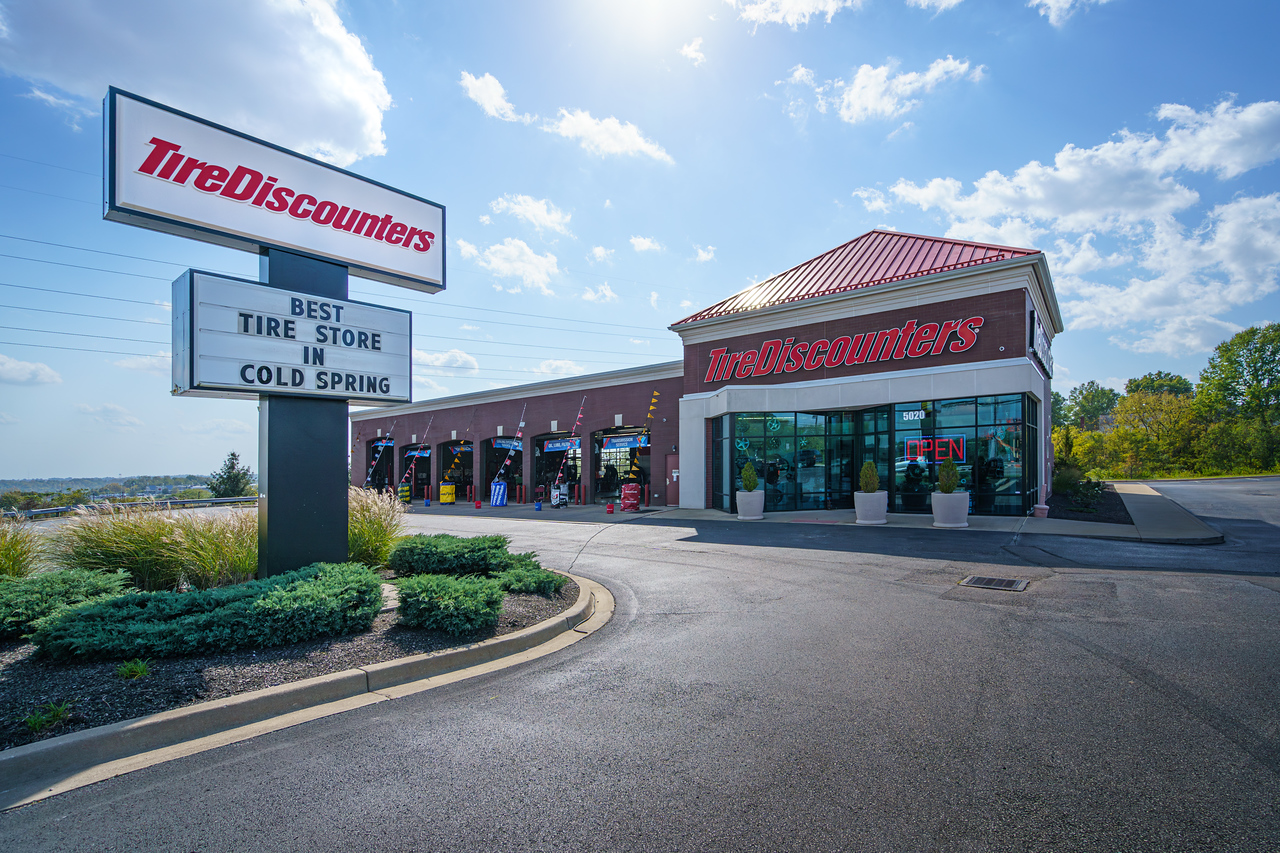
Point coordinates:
[(1227, 422)]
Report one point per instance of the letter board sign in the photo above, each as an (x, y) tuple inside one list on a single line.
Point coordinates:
[(239, 339), (170, 171)]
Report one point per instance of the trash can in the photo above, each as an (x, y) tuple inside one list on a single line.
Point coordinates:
[(446, 493), (630, 497), (406, 492)]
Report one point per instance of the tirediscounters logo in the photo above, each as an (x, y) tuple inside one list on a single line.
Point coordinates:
[(180, 174), (913, 340)]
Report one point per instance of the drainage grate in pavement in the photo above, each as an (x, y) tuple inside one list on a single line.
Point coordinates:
[(1006, 584)]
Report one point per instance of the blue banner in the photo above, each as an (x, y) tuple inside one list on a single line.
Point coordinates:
[(385, 442), (507, 443), (497, 494), (454, 448), (619, 442), (426, 451), (555, 445)]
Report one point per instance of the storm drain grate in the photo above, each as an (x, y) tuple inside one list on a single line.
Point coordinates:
[(1006, 584)]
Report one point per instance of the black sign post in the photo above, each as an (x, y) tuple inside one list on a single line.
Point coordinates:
[(302, 447)]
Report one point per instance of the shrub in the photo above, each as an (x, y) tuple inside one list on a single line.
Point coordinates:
[(948, 477), (216, 550), (324, 599), (48, 716), (135, 539), (21, 548), (530, 580), (749, 478), (442, 554), (450, 604), (132, 670), (24, 601), (868, 477), (374, 521)]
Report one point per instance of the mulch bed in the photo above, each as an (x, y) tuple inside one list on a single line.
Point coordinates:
[(1109, 510), (98, 696)]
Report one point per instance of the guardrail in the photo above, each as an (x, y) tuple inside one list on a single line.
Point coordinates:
[(52, 512)]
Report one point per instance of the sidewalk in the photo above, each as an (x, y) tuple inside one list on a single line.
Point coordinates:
[(1156, 519)]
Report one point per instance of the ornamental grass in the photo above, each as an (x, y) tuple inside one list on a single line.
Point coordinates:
[(375, 520), (22, 548)]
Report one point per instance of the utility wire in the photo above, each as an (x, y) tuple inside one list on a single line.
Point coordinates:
[(51, 165)]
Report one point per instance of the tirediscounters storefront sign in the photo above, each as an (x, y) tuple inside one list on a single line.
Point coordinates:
[(236, 338), (174, 172)]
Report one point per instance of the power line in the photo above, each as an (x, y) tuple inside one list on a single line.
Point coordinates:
[(50, 195), (100, 252), (74, 314), (75, 293), (51, 165), (83, 267)]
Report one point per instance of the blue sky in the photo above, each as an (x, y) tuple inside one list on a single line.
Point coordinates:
[(609, 168)]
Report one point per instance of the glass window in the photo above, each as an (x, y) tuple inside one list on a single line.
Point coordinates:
[(748, 424), (909, 416), (912, 478), (810, 424), (955, 413), (779, 423), (1000, 410), (811, 471)]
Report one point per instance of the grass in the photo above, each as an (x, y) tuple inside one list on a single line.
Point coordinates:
[(106, 538), (134, 669), (48, 716), (216, 550), (375, 520), (22, 549)]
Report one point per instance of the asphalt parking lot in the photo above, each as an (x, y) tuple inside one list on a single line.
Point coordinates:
[(793, 687)]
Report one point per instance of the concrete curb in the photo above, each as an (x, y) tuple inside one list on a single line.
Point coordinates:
[(1162, 521), (42, 769)]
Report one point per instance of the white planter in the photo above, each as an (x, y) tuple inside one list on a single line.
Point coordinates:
[(751, 505), (871, 507), (950, 510)]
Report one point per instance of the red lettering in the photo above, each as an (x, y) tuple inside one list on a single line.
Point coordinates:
[(161, 150), (383, 224), (858, 349), (816, 352), (782, 358), (882, 345), (796, 360), (907, 331), (189, 165), (295, 209), (425, 239), (263, 192), (396, 233), (166, 171), (242, 184), (210, 179), (279, 200), (346, 218), (839, 347), (367, 225), (922, 340), (769, 351), (744, 367), (716, 355), (324, 213), (968, 332), (729, 364), (947, 328)]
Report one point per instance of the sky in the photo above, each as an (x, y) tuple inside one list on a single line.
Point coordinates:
[(610, 168)]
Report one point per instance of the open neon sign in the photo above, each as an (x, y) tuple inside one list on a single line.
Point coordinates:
[(937, 448)]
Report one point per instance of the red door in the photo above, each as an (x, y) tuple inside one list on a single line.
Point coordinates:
[(673, 479)]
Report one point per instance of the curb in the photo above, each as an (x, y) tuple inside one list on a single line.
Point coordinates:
[(1163, 521), (39, 770)]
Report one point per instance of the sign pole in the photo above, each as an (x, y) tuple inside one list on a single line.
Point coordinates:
[(302, 447)]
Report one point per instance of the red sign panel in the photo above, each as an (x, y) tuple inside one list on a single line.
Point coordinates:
[(936, 448)]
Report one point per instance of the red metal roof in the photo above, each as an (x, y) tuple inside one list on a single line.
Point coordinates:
[(876, 257)]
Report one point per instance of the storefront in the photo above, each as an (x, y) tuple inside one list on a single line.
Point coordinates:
[(902, 350), (497, 451), (415, 469), (382, 454)]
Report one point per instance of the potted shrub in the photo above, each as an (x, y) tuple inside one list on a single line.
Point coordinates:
[(870, 502), (750, 501), (950, 508)]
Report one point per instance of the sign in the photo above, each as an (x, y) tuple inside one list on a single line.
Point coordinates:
[(1041, 346), (237, 338), (912, 419), (385, 442), (420, 452), (507, 443), (497, 493), (173, 172), (936, 449), (555, 445), (619, 442), (459, 448), (778, 356)]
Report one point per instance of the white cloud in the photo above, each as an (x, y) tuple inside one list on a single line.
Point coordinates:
[(879, 93), (1059, 10), (111, 415), (492, 98), (704, 255), (940, 5), (872, 199), (607, 204), (513, 258), (218, 426), (693, 50), (1172, 280), (485, 220), (426, 383), (469, 328), (599, 254), (158, 363), (466, 249), (540, 213), (5, 417), (287, 71), (560, 367), (686, 303), (14, 372), (641, 342), (791, 13), (653, 299), (645, 244), (455, 361), (902, 128), (606, 136), (603, 293)]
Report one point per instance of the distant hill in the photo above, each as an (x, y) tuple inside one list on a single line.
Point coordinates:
[(60, 484)]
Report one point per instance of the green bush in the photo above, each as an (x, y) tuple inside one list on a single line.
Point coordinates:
[(869, 477), (530, 580), (25, 600), (749, 478), (324, 599), (948, 477), (442, 554), (216, 550), (134, 539), (374, 521), (21, 548), (455, 605)]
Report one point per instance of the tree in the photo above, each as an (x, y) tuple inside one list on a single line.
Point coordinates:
[(1090, 402), (1059, 411), (1242, 378), (1167, 422), (233, 480), (1160, 382)]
